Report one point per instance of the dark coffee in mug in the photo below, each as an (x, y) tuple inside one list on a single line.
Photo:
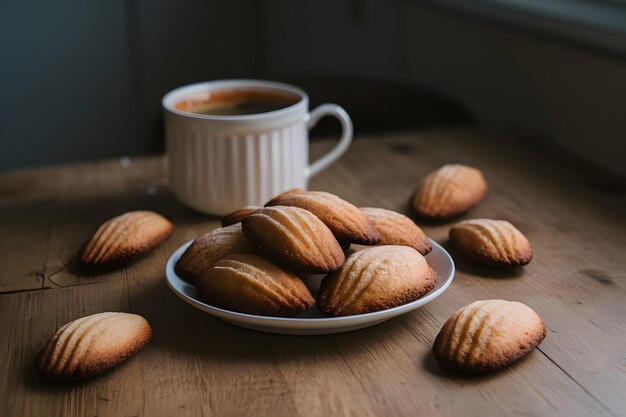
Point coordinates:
[(236, 102)]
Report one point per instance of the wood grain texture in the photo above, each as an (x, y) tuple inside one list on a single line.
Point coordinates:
[(195, 364)]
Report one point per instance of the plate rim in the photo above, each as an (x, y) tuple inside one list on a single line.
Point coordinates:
[(381, 315)]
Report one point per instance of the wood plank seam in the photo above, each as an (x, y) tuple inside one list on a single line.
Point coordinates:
[(345, 360), (277, 365), (600, 403), (49, 278), (7, 293), (49, 238)]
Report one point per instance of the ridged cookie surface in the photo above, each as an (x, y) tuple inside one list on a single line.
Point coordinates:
[(345, 220), (487, 335), (252, 284), (493, 242), (92, 344), (210, 248), (238, 215), (126, 237), (398, 229), (295, 238), (375, 279), (449, 191)]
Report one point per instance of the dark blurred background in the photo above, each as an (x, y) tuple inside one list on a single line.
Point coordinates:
[(83, 80)]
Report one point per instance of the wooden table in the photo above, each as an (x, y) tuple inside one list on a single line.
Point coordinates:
[(574, 216)]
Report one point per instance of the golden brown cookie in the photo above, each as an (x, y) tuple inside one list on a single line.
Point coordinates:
[(252, 284), (375, 279), (492, 242), (92, 344), (126, 237), (345, 220), (295, 238), (210, 248), (238, 215), (487, 335), (449, 191), (397, 229)]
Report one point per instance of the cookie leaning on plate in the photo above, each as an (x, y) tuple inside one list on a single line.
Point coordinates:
[(92, 344), (488, 335), (375, 279), (346, 221), (449, 191), (210, 248), (252, 284), (492, 242), (295, 238), (397, 229), (126, 237)]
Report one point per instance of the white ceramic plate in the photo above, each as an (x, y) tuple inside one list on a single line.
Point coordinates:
[(311, 322)]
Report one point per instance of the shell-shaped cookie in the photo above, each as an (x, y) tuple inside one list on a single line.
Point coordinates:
[(210, 248), (375, 279), (92, 344), (238, 215), (449, 191), (345, 220), (493, 242), (397, 229), (487, 335), (252, 284), (295, 238), (126, 237)]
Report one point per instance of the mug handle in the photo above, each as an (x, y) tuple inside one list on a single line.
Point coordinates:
[(344, 142)]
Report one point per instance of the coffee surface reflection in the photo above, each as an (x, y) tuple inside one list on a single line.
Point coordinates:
[(237, 102)]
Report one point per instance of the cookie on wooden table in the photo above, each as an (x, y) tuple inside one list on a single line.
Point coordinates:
[(398, 229), (449, 191), (375, 279), (346, 221), (126, 237), (295, 238), (488, 335), (492, 242), (92, 344), (210, 248), (252, 284)]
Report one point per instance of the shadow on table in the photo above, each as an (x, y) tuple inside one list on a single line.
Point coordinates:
[(430, 364), (468, 266), (33, 381), (76, 268)]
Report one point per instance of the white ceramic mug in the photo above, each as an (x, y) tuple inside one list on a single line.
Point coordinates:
[(221, 163)]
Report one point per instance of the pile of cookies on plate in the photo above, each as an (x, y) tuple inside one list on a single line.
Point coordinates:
[(253, 264), (372, 258)]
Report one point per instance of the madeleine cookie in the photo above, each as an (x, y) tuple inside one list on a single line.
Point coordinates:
[(295, 238), (92, 344), (397, 229), (238, 215), (346, 221), (487, 335), (210, 248), (252, 284), (126, 237), (492, 242), (449, 191), (375, 279)]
